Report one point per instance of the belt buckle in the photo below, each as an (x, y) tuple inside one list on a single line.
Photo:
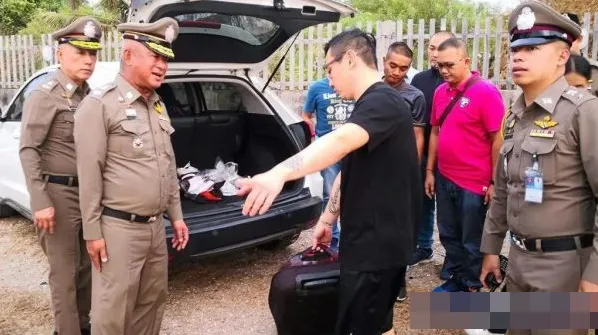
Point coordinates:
[(152, 219), (520, 242)]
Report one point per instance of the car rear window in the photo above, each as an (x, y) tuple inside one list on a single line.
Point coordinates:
[(251, 30), (222, 97)]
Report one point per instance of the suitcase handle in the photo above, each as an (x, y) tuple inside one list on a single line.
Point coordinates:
[(309, 282), (323, 252), (316, 284)]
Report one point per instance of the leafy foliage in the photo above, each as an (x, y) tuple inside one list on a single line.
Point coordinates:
[(44, 16), (44, 21), (14, 15), (375, 10), (574, 6)]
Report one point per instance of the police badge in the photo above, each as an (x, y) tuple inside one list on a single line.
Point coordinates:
[(169, 34), (137, 143), (526, 19), (89, 30)]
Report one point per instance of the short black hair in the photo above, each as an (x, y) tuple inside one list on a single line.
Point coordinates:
[(444, 32), (573, 17), (362, 43), (578, 64), (455, 43), (401, 48)]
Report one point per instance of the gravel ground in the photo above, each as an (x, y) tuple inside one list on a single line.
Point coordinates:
[(221, 295)]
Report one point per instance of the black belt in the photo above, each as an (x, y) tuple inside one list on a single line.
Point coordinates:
[(128, 216), (553, 244), (62, 180)]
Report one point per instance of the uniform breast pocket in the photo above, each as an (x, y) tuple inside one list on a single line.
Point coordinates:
[(545, 149), (134, 141), (63, 127), (167, 130)]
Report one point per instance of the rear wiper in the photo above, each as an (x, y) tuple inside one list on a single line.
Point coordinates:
[(280, 62)]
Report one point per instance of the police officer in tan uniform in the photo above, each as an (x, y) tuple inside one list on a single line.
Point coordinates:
[(579, 44), (127, 177), (47, 153), (547, 173)]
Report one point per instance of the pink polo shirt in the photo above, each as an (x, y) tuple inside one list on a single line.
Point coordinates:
[(464, 154)]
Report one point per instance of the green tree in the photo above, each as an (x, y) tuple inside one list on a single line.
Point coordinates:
[(16, 14), (116, 7), (44, 21), (375, 10)]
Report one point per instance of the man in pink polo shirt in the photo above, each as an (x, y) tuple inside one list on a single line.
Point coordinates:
[(466, 144)]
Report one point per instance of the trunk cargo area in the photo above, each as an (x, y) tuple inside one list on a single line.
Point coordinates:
[(255, 142)]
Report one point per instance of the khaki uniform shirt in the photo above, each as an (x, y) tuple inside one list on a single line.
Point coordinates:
[(125, 157), (47, 145), (594, 83), (561, 127)]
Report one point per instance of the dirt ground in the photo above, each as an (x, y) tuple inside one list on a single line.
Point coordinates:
[(222, 295)]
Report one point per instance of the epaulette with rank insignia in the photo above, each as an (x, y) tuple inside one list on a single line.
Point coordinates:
[(100, 92), (49, 85), (576, 96)]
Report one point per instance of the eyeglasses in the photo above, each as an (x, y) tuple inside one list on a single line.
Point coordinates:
[(447, 65), (336, 59)]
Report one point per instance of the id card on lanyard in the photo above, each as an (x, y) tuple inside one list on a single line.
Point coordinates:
[(534, 182)]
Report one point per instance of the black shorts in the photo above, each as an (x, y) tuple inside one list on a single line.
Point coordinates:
[(367, 300)]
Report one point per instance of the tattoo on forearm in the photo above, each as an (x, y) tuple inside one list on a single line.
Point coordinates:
[(294, 163), (326, 223), (334, 207)]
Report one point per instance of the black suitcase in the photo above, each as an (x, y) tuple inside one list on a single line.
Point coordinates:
[(303, 295)]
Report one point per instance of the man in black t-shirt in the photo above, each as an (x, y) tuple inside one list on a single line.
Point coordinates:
[(397, 63), (378, 192)]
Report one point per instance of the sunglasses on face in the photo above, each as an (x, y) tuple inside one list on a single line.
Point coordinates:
[(447, 65)]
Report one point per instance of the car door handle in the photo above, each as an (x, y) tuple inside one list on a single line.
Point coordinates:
[(16, 134)]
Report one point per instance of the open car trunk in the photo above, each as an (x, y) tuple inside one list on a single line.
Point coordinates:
[(229, 121)]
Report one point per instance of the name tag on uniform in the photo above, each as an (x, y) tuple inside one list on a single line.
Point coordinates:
[(542, 133), (131, 113), (534, 185)]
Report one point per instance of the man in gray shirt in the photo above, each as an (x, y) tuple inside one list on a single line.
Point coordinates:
[(397, 63)]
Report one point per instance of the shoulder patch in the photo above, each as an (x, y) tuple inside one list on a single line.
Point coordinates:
[(576, 96), (507, 125), (100, 92)]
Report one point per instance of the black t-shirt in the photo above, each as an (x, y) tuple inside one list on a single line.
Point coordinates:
[(427, 82), (380, 186)]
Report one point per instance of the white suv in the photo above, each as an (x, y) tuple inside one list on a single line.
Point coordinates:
[(218, 108)]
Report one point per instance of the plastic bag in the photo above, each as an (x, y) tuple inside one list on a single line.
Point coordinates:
[(227, 173)]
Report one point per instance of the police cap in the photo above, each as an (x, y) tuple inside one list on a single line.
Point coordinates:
[(156, 36), (534, 23), (83, 33)]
